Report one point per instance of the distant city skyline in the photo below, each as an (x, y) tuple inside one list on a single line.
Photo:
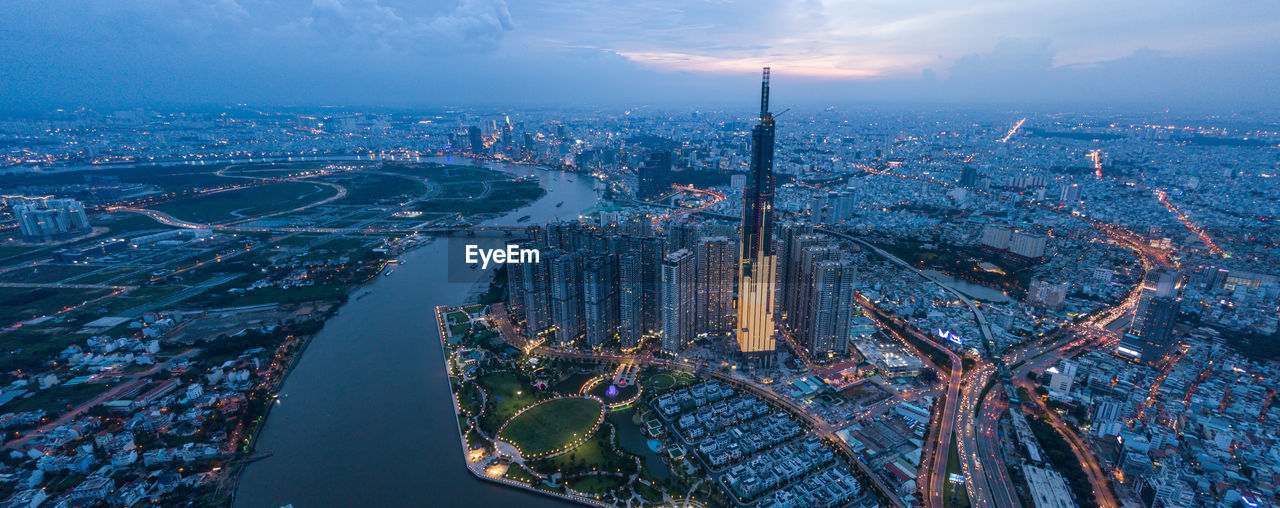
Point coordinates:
[(395, 53)]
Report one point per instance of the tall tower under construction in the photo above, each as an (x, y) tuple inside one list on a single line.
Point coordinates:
[(757, 264)]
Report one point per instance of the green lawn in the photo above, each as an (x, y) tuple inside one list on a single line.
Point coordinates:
[(218, 297), (104, 275), (8, 251), (446, 173), (28, 348), (659, 381), (19, 304), (518, 473), (574, 382), (47, 273), (551, 425), (365, 188), (595, 454), (243, 203), (459, 329), (596, 484), (504, 196), (955, 495), (134, 298), (469, 399), (461, 190), (507, 394)]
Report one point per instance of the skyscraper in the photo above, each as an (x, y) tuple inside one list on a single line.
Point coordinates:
[(1155, 319), (757, 264), (790, 263), (630, 298), (566, 298), (831, 306), (715, 285), (599, 299), (1151, 333), (477, 142), (507, 142), (678, 300), (997, 236), (535, 289), (654, 176), (1155, 284), (1071, 193), (969, 176), (811, 258), (42, 218)]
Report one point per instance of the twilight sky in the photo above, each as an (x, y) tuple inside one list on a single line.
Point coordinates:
[(118, 53)]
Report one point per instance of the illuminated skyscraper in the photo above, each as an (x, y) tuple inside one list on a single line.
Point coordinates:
[(757, 264), (566, 298)]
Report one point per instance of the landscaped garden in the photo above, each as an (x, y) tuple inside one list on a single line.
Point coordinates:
[(552, 426)]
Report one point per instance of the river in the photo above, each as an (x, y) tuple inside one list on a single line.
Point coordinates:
[(368, 419), (976, 291)]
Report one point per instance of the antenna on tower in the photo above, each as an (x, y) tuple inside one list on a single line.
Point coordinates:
[(764, 94)]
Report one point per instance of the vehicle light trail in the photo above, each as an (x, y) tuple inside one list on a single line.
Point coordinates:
[(1186, 221), (1013, 131)]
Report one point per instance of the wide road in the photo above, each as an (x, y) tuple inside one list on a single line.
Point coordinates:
[(1083, 452), (932, 476), (936, 467), (991, 448)]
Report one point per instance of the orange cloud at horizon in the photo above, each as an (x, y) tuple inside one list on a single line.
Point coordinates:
[(819, 66)]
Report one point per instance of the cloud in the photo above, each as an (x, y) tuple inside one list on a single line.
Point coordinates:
[(413, 52), (472, 26)]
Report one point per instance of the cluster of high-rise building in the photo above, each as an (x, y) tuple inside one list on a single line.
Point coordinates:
[(819, 280), (608, 280), (45, 217), (598, 285)]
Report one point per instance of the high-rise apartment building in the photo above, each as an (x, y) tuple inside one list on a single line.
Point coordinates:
[(477, 141), (631, 327), (566, 298), (42, 218), (678, 300), (832, 304), (654, 176), (599, 299), (715, 273)]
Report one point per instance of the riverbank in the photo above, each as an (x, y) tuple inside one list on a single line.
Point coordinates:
[(364, 415), (474, 466)]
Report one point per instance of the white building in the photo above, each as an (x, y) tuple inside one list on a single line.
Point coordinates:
[(1061, 378)]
